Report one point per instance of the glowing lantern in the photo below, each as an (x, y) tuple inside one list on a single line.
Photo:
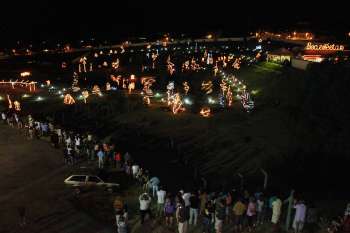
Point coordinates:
[(68, 99), (205, 112)]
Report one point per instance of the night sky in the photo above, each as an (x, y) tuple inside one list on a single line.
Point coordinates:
[(113, 20)]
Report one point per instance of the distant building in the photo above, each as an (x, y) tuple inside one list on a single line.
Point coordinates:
[(281, 56)]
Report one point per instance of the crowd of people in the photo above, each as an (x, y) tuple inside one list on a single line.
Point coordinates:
[(185, 209)]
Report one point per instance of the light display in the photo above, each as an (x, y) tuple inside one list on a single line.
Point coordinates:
[(205, 112), (85, 95), (108, 86), (25, 74), (170, 93), (186, 87), (177, 104), (207, 87), (96, 90), (68, 99), (115, 64), (327, 46)]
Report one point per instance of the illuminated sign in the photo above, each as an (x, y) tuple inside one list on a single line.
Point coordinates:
[(327, 46)]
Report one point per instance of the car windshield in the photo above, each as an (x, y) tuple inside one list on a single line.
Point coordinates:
[(78, 178)]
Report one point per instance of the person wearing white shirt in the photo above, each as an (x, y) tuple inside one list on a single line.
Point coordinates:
[(145, 202), (161, 193), (135, 169)]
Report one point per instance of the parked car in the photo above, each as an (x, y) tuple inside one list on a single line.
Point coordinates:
[(89, 181)]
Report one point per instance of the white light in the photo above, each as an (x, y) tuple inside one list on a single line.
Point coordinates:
[(39, 98), (61, 96), (42, 85), (187, 101)]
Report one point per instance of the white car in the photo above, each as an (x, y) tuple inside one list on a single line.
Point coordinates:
[(89, 181)]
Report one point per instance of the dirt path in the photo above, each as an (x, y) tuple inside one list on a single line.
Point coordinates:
[(31, 175)]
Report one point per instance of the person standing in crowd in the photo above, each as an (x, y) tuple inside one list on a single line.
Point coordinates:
[(219, 215), (300, 214), (135, 169), (186, 197), (238, 211), (251, 213), (194, 208), (145, 202), (117, 159), (276, 212), (206, 217), (203, 201), (122, 225), (100, 156), (169, 210), (181, 216), (260, 208), (161, 193), (153, 185), (228, 200), (118, 206)]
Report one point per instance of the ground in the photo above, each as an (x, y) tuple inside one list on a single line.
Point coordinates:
[(31, 175)]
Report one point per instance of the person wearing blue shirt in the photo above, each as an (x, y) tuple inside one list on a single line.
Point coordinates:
[(100, 155)]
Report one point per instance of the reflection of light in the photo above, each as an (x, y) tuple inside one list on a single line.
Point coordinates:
[(187, 101)]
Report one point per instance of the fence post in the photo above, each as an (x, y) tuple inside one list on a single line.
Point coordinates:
[(289, 211)]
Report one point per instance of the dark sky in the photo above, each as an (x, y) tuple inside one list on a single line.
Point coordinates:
[(111, 20)]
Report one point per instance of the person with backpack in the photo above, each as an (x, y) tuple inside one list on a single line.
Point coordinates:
[(169, 210), (251, 213), (181, 216)]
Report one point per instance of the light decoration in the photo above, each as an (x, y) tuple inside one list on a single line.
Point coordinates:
[(170, 66), (131, 85), (154, 58), (90, 69), (25, 74), (9, 101), (108, 86), (82, 61), (75, 87), (186, 87), (116, 79), (48, 82), (229, 97), (247, 103), (96, 55), (177, 104), (326, 46), (237, 64), (122, 49), (115, 65), (170, 92), (147, 82), (68, 99), (216, 69), (27, 84), (85, 95), (105, 64), (207, 87), (205, 112), (185, 66), (96, 90)]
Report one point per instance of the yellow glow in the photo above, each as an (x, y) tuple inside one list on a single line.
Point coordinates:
[(205, 112)]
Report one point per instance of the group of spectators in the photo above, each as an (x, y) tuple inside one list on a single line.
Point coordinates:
[(210, 211)]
